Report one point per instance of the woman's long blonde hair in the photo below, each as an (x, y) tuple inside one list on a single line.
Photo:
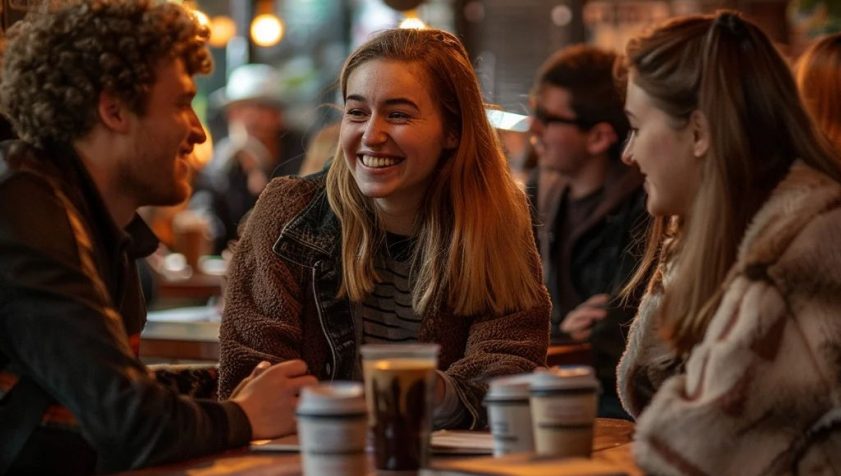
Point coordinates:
[(473, 232), (726, 68)]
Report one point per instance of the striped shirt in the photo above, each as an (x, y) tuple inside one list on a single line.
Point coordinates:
[(386, 314)]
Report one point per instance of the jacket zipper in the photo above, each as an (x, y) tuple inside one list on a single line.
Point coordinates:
[(321, 321)]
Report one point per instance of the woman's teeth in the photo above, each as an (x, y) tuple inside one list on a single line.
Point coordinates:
[(377, 162)]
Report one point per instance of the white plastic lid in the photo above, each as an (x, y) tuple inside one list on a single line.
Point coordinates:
[(414, 350), (509, 387), (566, 377), (336, 398)]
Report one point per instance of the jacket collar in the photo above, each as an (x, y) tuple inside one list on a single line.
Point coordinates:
[(313, 234), (142, 240)]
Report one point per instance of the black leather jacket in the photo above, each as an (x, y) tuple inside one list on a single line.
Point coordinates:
[(71, 312), (602, 254)]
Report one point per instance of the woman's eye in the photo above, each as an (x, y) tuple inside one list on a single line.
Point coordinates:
[(355, 113), (399, 116)]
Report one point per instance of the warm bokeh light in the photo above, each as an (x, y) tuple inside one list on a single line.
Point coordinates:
[(222, 29), (412, 23), (266, 30)]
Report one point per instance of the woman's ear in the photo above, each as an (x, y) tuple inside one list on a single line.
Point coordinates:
[(451, 141), (700, 133)]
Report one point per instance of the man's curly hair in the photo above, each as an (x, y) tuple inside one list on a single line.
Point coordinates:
[(56, 64)]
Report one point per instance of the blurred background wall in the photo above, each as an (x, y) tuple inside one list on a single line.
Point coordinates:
[(307, 40), (507, 39)]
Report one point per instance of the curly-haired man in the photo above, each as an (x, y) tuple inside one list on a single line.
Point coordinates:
[(100, 94)]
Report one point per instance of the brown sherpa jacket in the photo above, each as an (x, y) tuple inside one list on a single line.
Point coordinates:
[(281, 304), (760, 394)]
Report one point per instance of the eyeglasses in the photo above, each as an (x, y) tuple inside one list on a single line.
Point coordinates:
[(540, 115)]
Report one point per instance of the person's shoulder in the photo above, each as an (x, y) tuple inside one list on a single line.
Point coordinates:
[(24, 175), (813, 248), (285, 197), (33, 216), (797, 230), (295, 188)]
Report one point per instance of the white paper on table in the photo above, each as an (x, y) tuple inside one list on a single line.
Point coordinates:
[(443, 442), (462, 442)]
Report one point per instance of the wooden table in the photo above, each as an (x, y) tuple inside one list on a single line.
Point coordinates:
[(190, 334), (612, 444), (193, 290), (572, 353)]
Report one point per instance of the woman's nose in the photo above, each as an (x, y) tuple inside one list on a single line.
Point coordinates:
[(627, 156), (374, 133)]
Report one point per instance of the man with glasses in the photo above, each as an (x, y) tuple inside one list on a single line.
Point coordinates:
[(590, 206)]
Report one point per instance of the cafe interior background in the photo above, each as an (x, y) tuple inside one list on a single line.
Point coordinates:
[(306, 41)]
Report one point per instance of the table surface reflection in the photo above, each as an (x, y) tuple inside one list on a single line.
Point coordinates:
[(611, 444)]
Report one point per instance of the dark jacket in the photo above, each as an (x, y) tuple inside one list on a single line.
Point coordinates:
[(281, 304), (602, 252), (71, 312)]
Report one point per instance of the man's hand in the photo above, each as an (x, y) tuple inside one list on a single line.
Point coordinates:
[(269, 397), (578, 322)]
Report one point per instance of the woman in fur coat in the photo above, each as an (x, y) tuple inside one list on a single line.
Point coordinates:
[(733, 364)]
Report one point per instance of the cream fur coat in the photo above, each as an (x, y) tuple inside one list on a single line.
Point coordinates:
[(761, 394)]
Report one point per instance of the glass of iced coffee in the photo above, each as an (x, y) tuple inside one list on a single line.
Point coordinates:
[(399, 386)]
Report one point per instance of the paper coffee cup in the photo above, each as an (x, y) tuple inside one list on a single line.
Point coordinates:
[(509, 414), (332, 429), (564, 401), (191, 233)]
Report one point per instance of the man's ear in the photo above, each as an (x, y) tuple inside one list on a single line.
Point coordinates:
[(700, 133), (113, 113), (600, 137)]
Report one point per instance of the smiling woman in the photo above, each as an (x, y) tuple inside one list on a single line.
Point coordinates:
[(403, 239), (392, 138)]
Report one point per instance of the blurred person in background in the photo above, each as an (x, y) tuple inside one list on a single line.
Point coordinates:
[(321, 149), (100, 93), (732, 365), (818, 74), (259, 146), (417, 232), (590, 206)]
